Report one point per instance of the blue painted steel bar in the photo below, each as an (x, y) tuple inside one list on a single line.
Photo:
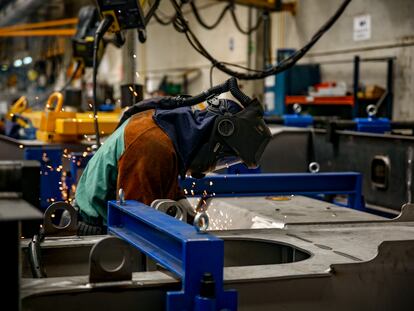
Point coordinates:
[(298, 120), (347, 183), (373, 125), (240, 168), (179, 248)]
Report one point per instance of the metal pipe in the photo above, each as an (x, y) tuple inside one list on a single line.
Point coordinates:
[(363, 49), (31, 26), (40, 33)]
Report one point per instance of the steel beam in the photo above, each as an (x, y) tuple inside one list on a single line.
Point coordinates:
[(178, 247), (347, 183)]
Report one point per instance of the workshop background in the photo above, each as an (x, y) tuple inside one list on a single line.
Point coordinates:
[(300, 200), (167, 53)]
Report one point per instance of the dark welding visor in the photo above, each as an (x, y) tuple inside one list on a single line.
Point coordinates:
[(245, 133)]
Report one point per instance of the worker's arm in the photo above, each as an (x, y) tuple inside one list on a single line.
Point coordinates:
[(148, 169)]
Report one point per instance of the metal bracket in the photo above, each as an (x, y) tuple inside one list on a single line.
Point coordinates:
[(178, 247), (98, 272), (373, 125), (406, 214), (171, 208), (65, 230)]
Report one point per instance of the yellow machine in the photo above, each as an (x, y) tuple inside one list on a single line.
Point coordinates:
[(20, 106), (56, 125)]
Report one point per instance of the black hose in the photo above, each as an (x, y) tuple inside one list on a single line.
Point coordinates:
[(229, 86), (35, 258), (72, 76), (237, 93), (151, 11)]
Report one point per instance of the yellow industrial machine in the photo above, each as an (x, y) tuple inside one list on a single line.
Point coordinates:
[(54, 124), (20, 106), (57, 125)]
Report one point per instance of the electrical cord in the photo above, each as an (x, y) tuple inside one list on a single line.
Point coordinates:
[(72, 76), (65, 86), (230, 7), (182, 25), (211, 75), (202, 22), (151, 11), (102, 28), (162, 22), (34, 254), (237, 24)]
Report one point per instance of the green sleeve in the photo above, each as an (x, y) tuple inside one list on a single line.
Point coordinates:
[(97, 184)]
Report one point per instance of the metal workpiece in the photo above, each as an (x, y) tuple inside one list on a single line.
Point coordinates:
[(285, 252), (293, 149), (276, 212), (321, 266)]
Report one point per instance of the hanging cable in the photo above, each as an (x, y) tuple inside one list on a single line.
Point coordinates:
[(211, 76), (202, 22), (162, 22), (72, 76), (64, 87), (102, 28), (237, 24), (152, 11), (182, 25)]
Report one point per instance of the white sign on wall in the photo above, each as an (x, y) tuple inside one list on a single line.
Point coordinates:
[(362, 27)]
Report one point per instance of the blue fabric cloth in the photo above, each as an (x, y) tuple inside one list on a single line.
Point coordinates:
[(188, 128)]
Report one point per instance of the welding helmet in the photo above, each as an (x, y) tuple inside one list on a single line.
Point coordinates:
[(235, 137)]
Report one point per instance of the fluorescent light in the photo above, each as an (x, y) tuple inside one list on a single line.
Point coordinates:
[(27, 60), (18, 63)]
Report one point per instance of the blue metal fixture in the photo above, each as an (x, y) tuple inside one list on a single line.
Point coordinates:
[(51, 172), (78, 161), (196, 257), (178, 247), (297, 120), (309, 184), (240, 168), (373, 125)]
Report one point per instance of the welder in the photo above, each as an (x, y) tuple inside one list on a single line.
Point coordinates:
[(154, 145)]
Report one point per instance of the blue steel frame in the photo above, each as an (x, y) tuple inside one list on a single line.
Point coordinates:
[(178, 247), (342, 183), (190, 254)]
